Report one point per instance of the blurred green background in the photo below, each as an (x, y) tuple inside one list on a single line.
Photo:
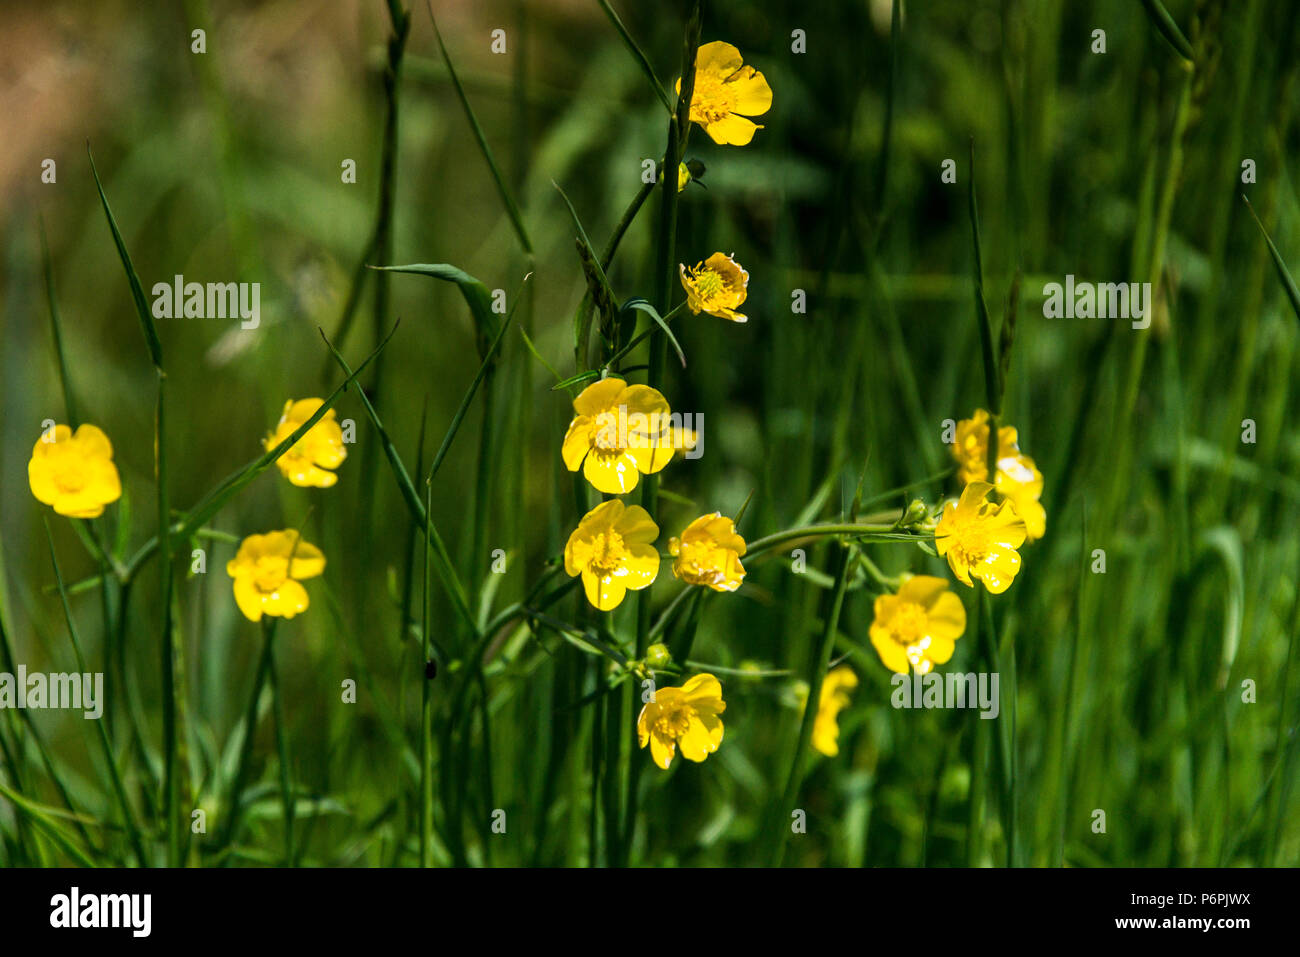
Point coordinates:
[(1114, 167)]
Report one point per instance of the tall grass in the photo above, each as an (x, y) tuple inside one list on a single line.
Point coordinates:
[(494, 720)]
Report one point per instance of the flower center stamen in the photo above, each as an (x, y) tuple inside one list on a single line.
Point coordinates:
[(673, 724), (709, 283), (711, 100), (910, 623)]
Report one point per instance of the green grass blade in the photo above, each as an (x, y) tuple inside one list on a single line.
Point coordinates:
[(512, 210), (489, 358), (992, 387), (137, 291), (446, 569), (1167, 28), (115, 773), (637, 54), (472, 289), (56, 327), (212, 504), (1283, 273), (44, 818), (653, 313)]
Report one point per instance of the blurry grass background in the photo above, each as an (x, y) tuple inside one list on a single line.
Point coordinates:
[(1123, 166)]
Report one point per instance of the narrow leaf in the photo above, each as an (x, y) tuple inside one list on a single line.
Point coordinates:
[(638, 55), (507, 200), (1167, 28), (137, 291), (1282, 272)]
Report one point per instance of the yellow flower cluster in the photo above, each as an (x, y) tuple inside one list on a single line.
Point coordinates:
[(268, 570), (1018, 479), (916, 627), (620, 432)]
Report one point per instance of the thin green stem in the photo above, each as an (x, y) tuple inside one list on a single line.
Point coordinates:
[(816, 677)]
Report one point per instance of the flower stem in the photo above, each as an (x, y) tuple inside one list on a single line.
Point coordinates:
[(250, 727), (282, 748), (815, 678)]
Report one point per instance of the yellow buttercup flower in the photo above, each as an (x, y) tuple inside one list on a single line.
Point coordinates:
[(834, 699), (708, 553), (1018, 478), (619, 430), (918, 626), (685, 717), (268, 571), (980, 539), (716, 286), (74, 472), (308, 461), (726, 93), (611, 550)]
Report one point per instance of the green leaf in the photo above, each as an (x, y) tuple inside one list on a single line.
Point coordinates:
[(653, 313), (1168, 29), (1282, 272), (56, 326), (638, 55), (213, 502), (512, 210), (576, 379), (468, 397), (598, 287), (472, 289), (137, 291)]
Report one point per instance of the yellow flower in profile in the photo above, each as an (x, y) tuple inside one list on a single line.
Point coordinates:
[(74, 472), (726, 93), (980, 539), (685, 717), (268, 571), (1018, 477), (716, 286), (834, 699), (619, 430), (918, 626), (308, 461), (708, 553), (683, 176), (611, 550)]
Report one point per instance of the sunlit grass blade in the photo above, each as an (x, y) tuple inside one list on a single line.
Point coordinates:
[(43, 818), (1225, 541)]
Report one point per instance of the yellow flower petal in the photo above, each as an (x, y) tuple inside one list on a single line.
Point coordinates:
[(247, 597), (611, 472), (662, 750), (603, 591), (732, 130), (753, 95), (891, 652)]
